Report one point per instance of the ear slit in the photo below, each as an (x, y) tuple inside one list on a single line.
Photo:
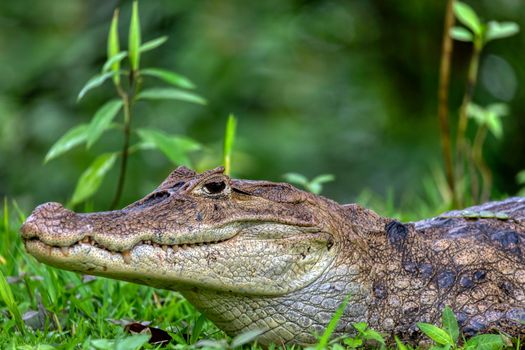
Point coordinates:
[(240, 191)]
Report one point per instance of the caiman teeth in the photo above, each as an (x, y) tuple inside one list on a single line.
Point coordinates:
[(65, 251), (126, 255)]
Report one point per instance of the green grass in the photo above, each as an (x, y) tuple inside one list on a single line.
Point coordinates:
[(74, 312)]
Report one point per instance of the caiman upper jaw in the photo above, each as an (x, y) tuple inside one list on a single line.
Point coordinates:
[(52, 220)]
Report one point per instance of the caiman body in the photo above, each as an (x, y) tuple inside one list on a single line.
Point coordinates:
[(263, 255)]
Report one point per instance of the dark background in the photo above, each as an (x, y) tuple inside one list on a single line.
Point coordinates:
[(341, 87)]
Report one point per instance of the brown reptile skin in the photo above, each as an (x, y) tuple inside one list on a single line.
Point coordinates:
[(264, 255)]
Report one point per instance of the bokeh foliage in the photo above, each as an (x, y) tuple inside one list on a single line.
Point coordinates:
[(346, 88)]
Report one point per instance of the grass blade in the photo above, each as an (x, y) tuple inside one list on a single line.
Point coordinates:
[(229, 138), (400, 344), (245, 338), (323, 341), (6, 215), (7, 296)]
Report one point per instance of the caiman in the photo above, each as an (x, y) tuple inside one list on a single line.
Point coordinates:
[(268, 256)]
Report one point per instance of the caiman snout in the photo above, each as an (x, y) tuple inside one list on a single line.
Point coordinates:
[(49, 220)]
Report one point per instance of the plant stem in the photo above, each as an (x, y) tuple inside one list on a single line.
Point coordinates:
[(477, 156), (444, 78), (125, 151), (461, 142), (473, 175), (128, 99)]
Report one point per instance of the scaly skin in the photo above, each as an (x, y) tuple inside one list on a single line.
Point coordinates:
[(256, 254)]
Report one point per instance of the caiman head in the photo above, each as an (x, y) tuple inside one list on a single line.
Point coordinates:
[(217, 240)]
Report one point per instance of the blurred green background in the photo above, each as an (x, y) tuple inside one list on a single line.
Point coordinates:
[(341, 87)]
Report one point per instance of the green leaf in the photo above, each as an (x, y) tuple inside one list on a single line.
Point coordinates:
[(466, 15), (229, 137), (360, 326), (323, 178), (102, 120), (113, 60), (486, 342), (495, 125), (169, 77), (477, 112), (314, 188), (296, 178), (133, 342), (489, 116), (500, 30), (114, 46), (176, 148), (400, 344), (134, 37), (435, 333), (102, 344), (245, 338), (153, 44), (92, 177), (450, 323), (500, 109), (170, 94), (521, 177), (353, 342), (94, 82), (337, 346), (70, 139), (461, 34), (371, 334)]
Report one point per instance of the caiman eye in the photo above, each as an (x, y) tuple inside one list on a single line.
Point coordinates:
[(214, 187)]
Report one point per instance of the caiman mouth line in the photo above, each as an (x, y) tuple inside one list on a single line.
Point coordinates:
[(126, 253), (271, 230)]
